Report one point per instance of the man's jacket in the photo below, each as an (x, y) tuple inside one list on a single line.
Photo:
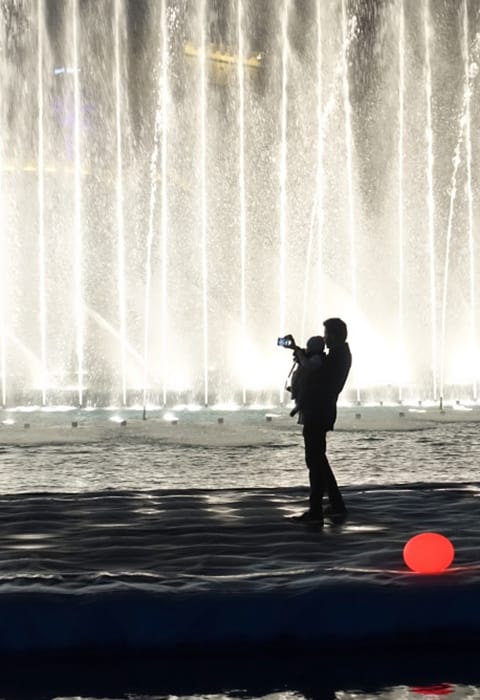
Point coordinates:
[(320, 387)]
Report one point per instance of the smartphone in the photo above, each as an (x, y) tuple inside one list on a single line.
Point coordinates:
[(286, 342)]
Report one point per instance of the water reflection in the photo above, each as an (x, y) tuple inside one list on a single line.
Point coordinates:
[(271, 675)]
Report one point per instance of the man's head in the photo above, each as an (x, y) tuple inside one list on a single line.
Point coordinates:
[(335, 332), (315, 345)]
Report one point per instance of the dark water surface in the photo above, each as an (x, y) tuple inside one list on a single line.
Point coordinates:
[(449, 452), (407, 676)]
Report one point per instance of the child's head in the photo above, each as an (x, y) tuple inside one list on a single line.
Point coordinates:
[(315, 345)]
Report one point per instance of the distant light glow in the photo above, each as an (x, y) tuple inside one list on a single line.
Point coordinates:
[(8, 421), (117, 419), (430, 403), (380, 366), (227, 406), (459, 370), (57, 409), (426, 403), (470, 402), (70, 387), (191, 407), (170, 417), (24, 409), (62, 69), (178, 380), (255, 369), (433, 690)]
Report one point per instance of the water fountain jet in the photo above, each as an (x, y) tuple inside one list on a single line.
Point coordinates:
[(182, 203)]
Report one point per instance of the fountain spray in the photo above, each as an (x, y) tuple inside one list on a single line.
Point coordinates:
[(150, 231), (78, 230), (471, 237), (400, 202), (463, 133), (241, 183), (323, 117), (41, 203), (118, 29), (427, 28), (203, 178), (283, 169), (349, 145), (164, 194), (317, 209)]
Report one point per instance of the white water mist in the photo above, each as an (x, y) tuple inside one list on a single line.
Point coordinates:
[(77, 226), (119, 103), (283, 171)]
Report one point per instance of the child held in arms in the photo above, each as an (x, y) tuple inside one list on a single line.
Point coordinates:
[(308, 365)]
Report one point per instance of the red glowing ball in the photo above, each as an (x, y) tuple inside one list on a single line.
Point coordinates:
[(428, 553), (441, 689)]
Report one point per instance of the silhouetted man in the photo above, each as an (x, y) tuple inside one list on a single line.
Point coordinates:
[(317, 404)]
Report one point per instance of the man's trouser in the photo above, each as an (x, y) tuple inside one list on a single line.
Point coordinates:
[(322, 479)]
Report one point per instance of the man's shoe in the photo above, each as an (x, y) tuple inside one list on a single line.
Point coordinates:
[(336, 515), (309, 517)]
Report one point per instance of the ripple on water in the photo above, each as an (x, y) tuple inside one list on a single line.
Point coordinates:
[(441, 453)]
